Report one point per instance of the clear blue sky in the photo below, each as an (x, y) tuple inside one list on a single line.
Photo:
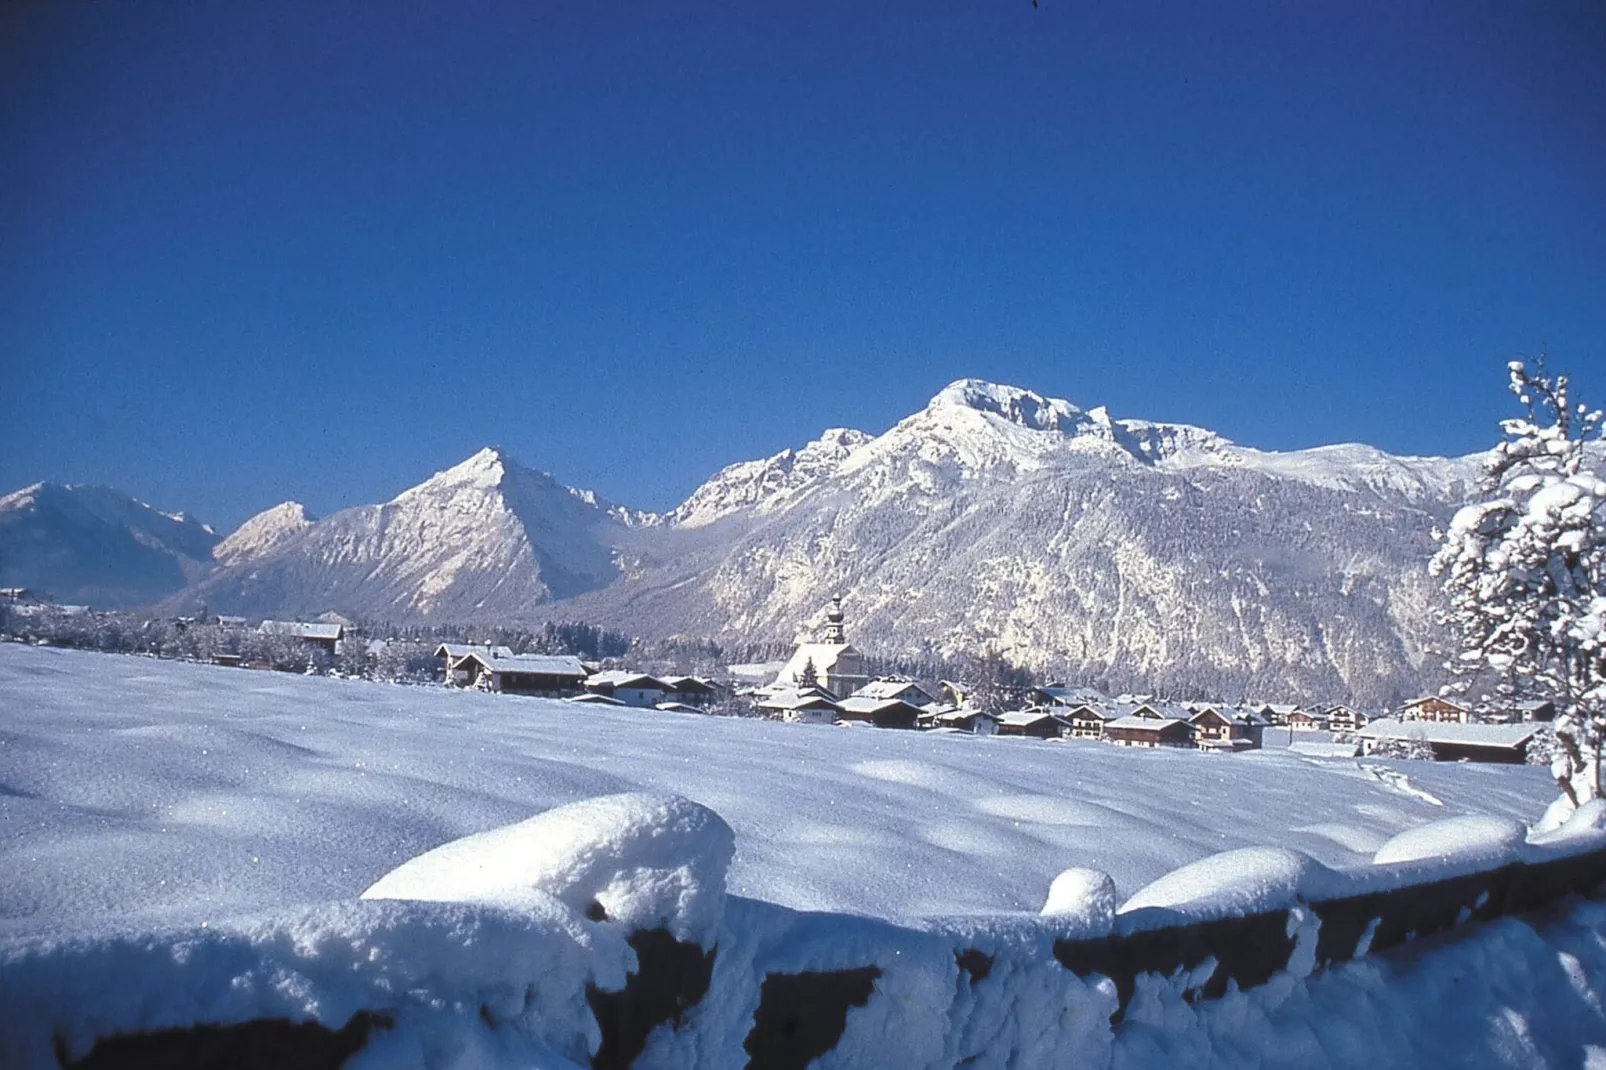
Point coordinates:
[(257, 251)]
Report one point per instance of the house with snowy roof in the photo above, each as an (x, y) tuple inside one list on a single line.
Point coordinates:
[(1218, 729), (1036, 724), (1434, 709), (1307, 721), (1149, 731), (895, 687), (1087, 721), (549, 675), (690, 690), (961, 719), (806, 705), (881, 712), (1063, 697), (1343, 718), (630, 688), (833, 663), (1453, 742), (324, 636)]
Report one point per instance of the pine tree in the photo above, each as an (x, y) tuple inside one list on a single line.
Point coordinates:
[(1525, 574), (808, 677)]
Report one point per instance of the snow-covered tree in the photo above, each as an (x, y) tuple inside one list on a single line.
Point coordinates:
[(809, 677), (1525, 573)]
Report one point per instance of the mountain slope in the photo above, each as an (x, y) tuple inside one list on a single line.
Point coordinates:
[(97, 545), (485, 539), (1124, 552)]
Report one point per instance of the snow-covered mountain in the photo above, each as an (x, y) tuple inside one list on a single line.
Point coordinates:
[(96, 545), (1123, 552), (487, 539)]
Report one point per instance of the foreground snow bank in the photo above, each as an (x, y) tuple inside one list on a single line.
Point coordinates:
[(491, 951)]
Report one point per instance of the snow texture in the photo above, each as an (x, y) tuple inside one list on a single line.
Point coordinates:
[(1467, 839), (1086, 896), (1248, 880), (648, 860)]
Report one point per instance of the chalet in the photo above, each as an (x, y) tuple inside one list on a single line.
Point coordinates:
[(1307, 721), (1344, 719), (690, 690), (834, 663), (452, 654), (965, 719), (809, 705), (883, 713), (1038, 724), (630, 688), (1138, 731), (1452, 742), (1087, 721), (323, 636), (1435, 710), (1277, 712), (552, 675), (1215, 730), (228, 622), (890, 688)]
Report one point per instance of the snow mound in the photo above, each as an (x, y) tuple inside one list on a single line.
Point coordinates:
[(1583, 823), (1249, 880), (1085, 895), (647, 860), (1471, 838)]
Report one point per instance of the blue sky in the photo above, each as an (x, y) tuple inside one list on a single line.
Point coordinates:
[(251, 252)]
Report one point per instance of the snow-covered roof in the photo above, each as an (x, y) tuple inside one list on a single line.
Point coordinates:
[(626, 678), (884, 689), (1471, 735), (865, 704), (1088, 709), (1147, 724), (807, 698), (1022, 718), (1074, 696), (676, 707), (463, 650), (299, 629), (823, 655), (534, 664)]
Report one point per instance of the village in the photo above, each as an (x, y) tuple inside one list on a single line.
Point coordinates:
[(826, 682)]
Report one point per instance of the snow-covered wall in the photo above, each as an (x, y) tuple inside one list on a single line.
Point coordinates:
[(600, 934)]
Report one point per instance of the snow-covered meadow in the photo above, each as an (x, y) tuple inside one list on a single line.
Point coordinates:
[(132, 788), (182, 843)]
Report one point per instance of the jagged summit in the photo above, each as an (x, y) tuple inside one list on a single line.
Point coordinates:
[(265, 532)]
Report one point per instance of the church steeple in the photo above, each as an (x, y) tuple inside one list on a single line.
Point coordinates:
[(834, 632)]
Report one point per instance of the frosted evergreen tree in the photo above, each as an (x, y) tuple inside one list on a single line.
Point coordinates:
[(1525, 573), (809, 677)]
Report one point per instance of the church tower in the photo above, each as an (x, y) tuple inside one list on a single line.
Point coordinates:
[(834, 632)]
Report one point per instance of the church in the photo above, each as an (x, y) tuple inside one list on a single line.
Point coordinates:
[(837, 666)]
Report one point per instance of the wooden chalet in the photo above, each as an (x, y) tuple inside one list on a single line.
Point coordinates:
[(807, 705), (325, 637), (1141, 731), (1060, 697), (630, 688), (1087, 721), (690, 690), (1037, 724), (1343, 718), (1307, 721), (1536, 710), (895, 688), (549, 675), (1435, 710), (452, 655), (883, 713), (1501, 743), (1218, 729), (963, 719)]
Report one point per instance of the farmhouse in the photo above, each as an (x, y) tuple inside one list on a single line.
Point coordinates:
[(326, 637), (1087, 721), (1436, 710), (963, 719), (554, 675), (883, 713), (689, 690), (1308, 721), (630, 688), (1141, 731), (1344, 719), (1503, 743), (1216, 730), (808, 705), (1038, 724), (452, 654), (1058, 696), (834, 664), (906, 690)]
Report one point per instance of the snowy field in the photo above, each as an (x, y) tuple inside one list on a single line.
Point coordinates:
[(136, 791)]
